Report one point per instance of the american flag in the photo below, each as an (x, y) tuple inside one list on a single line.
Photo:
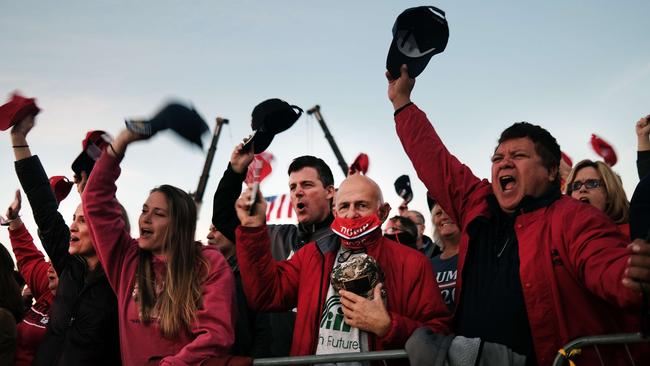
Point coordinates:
[(279, 210)]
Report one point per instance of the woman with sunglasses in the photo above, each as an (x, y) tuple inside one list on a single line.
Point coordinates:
[(595, 183), (175, 296)]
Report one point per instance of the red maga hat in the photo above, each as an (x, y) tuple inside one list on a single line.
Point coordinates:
[(603, 149), (16, 109), (61, 187), (92, 145)]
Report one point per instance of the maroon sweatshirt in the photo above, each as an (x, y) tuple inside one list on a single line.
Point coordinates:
[(212, 334)]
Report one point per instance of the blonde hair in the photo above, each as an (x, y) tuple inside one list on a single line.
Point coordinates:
[(617, 207), (176, 305)]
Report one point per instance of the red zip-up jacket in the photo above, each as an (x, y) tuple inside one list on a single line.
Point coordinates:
[(212, 334), (33, 267), (572, 256), (413, 297)]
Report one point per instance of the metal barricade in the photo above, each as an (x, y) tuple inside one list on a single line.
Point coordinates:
[(341, 357), (574, 347)]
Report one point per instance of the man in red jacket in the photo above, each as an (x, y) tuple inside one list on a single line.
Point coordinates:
[(330, 321), (536, 269)]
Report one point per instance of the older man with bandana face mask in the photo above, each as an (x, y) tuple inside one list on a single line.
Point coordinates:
[(328, 321), (536, 269)]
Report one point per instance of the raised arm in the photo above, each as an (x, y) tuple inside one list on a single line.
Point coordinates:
[(54, 233), (30, 261), (643, 146), (103, 214), (268, 285), (224, 216), (450, 182)]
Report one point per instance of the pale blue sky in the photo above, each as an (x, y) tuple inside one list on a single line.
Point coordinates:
[(574, 67)]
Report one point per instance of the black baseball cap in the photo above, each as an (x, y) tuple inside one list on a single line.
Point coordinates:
[(269, 118), (418, 34), (403, 188), (185, 121)]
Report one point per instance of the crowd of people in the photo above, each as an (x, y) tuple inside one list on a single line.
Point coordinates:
[(516, 267)]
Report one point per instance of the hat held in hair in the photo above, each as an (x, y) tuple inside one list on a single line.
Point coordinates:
[(17, 109)]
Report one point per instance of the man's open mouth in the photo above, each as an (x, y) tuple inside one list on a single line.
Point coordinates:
[(507, 182)]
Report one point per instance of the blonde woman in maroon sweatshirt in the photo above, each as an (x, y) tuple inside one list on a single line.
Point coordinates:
[(175, 296)]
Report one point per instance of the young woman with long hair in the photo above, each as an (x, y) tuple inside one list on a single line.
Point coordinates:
[(175, 296)]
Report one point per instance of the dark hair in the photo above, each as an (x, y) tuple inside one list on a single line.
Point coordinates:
[(546, 145), (10, 298), (419, 215), (408, 225), (308, 161)]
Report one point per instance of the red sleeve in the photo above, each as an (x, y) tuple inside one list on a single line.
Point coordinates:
[(447, 179), (268, 285), (31, 262), (214, 329), (425, 309), (115, 248), (598, 253)]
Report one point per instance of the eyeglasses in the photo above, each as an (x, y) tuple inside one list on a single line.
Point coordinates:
[(589, 184)]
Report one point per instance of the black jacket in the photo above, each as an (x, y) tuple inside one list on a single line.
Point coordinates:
[(83, 327), (253, 334)]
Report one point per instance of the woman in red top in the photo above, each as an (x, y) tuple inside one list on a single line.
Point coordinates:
[(41, 279), (175, 296), (594, 182)]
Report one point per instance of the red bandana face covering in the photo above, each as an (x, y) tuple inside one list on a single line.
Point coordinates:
[(354, 232)]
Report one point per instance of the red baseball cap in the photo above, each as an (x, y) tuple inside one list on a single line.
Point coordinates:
[(93, 145), (61, 187), (16, 110)]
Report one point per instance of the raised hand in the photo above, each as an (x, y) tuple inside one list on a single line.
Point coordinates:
[(399, 89), (125, 137), (642, 128), (22, 128), (241, 158), (13, 213), (242, 207)]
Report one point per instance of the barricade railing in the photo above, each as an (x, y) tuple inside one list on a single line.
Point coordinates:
[(564, 355), (574, 347), (333, 358)]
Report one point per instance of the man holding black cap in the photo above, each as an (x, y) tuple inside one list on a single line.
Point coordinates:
[(311, 185), (537, 269)]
